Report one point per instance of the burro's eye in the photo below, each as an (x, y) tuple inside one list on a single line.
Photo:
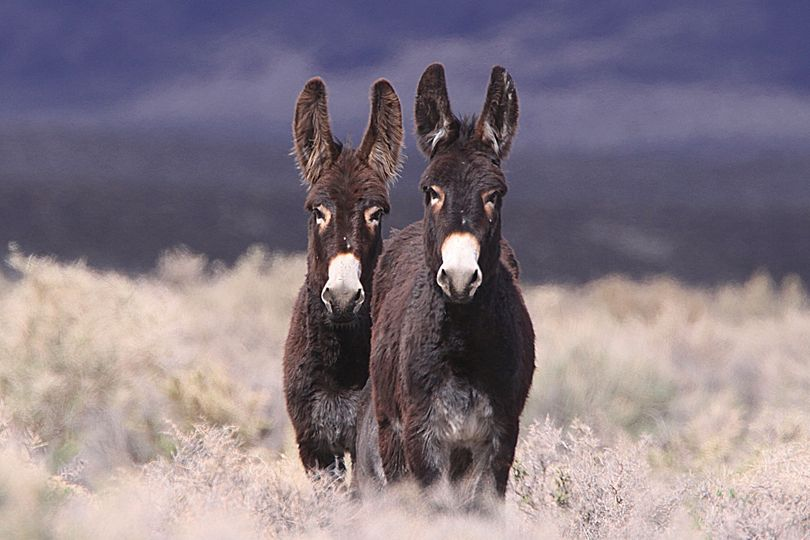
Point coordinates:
[(373, 215), (490, 198), (322, 215), (434, 195)]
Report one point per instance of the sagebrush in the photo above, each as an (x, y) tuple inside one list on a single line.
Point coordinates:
[(151, 406)]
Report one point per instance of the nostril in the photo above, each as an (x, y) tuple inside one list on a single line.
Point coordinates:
[(441, 277), (326, 297), (359, 297), (475, 277)]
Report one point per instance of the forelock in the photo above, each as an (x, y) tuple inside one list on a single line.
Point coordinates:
[(468, 149), (350, 176)]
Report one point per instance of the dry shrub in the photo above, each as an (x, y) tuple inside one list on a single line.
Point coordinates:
[(697, 399), (565, 484), (693, 368), (210, 488), (29, 496), (94, 363), (589, 490), (768, 499)]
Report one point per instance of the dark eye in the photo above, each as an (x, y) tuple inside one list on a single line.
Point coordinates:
[(319, 217), (373, 215), (492, 198), (432, 195)]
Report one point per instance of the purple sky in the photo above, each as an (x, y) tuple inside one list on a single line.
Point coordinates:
[(590, 75)]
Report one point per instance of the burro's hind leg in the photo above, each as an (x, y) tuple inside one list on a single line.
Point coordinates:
[(367, 468), (321, 463)]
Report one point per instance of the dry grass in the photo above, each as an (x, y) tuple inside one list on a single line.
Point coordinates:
[(151, 407)]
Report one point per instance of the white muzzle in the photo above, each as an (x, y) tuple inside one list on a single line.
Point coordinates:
[(460, 276), (343, 293)]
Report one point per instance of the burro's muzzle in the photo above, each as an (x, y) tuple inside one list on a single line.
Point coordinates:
[(343, 293), (459, 276)]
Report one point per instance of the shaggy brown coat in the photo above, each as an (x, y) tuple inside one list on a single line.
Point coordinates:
[(449, 376), (327, 349)]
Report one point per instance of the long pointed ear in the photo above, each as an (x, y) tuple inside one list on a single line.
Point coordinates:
[(498, 121), (314, 147), (382, 144), (435, 123)]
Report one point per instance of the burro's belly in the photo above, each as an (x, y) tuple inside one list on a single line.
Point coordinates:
[(461, 415)]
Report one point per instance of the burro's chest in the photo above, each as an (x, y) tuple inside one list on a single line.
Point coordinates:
[(335, 414), (460, 413)]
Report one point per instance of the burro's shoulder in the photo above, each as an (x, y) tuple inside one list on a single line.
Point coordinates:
[(510, 295), (400, 238), (401, 250)]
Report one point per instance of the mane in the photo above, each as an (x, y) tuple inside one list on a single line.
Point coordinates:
[(347, 160), (357, 174), (464, 132)]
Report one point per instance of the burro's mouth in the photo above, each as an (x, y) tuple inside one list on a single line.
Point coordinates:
[(459, 275), (343, 322)]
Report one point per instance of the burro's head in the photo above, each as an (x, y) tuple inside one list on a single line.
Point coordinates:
[(347, 194), (463, 183)]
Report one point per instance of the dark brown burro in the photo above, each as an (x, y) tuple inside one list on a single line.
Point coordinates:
[(452, 353), (327, 349)]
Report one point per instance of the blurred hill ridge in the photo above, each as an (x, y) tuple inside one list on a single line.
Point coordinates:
[(120, 198)]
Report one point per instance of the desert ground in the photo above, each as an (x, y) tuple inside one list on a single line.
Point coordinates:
[(150, 406)]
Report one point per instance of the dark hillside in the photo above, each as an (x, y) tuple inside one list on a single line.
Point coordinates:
[(119, 201)]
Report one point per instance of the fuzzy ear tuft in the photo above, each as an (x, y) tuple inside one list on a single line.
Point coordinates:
[(382, 143), (435, 123), (497, 124), (314, 146)]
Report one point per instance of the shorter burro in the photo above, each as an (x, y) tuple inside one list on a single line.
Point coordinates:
[(452, 353), (327, 349)]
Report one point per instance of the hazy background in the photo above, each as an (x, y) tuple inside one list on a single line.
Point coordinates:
[(141, 394), (653, 138)]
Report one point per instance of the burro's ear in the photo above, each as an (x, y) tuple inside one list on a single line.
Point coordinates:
[(314, 146), (498, 121), (382, 144), (435, 123)]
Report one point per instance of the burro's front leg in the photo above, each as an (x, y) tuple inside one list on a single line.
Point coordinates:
[(422, 449), (391, 448), (320, 462), (504, 454)]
